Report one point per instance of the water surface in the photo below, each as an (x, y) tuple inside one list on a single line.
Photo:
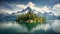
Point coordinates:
[(12, 27)]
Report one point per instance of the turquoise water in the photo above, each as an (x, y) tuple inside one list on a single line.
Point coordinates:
[(12, 27)]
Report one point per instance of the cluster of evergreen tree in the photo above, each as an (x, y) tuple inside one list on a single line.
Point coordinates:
[(30, 16)]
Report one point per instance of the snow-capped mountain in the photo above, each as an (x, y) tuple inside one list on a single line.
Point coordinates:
[(48, 15), (27, 9)]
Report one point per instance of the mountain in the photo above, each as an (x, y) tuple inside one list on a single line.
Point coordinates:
[(10, 17), (28, 9), (48, 15), (13, 16), (2, 15)]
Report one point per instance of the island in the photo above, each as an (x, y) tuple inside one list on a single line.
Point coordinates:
[(30, 19)]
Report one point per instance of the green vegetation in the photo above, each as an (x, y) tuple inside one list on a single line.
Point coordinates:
[(30, 20), (31, 17)]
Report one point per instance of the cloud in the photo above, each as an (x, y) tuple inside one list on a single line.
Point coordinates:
[(56, 9), (34, 7), (30, 4), (9, 10), (46, 9), (19, 7), (5, 11)]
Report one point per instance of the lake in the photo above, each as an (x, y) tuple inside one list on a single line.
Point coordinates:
[(12, 27)]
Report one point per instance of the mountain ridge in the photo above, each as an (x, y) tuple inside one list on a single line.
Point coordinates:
[(28, 9)]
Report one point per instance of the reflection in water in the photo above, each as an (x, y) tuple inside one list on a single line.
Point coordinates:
[(12, 27)]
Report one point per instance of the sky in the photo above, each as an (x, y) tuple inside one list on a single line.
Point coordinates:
[(10, 6)]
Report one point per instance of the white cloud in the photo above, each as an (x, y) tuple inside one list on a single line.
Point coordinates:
[(18, 7), (46, 9), (56, 9), (6, 11), (33, 6), (30, 4)]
